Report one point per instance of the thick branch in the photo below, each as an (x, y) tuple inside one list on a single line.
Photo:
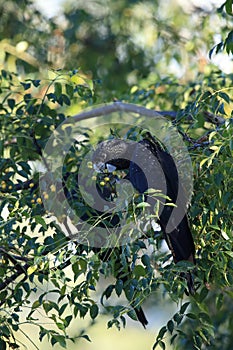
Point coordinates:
[(116, 107), (213, 118), (24, 56), (128, 107)]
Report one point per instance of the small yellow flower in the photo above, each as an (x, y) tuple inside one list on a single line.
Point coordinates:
[(31, 185), (46, 196), (53, 188), (10, 187), (3, 186), (89, 165), (106, 179), (102, 183), (39, 200), (33, 201), (94, 178)]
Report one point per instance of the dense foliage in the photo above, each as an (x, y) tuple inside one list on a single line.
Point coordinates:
[(44, 274)]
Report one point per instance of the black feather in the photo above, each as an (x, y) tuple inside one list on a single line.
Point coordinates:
[(148, 166)]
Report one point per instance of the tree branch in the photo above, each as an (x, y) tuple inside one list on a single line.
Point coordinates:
[(128, 107)]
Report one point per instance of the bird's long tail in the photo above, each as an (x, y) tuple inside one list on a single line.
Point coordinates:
[(141, 316)]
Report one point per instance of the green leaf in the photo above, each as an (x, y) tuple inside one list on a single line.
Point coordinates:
[(85, 336), (132, 315), (139, 271), (143, 205), (225, 97), (25, 166), (83, 311), (4, 73), (229, 253), (170, 326), (39, 220), (62, 309), (229, 6), (76, 270), (26, 86), (57, 89), (206, 95), (108, 291), (5, 331), (36, 83), (23, 173), (173, 338), (198, 342), (129, 292), (15, 317), (2, 344), (178, 318), (69, 90), (94, 310), (155, 345), (20, 111), (184, 307), (11, 103), (58, 339), (47, 306), (221, 109), (200, 120), (3, 295), (162, 332), (42, 333), (145, 260), (35, 305), (162, 345), (205, 317), (66, 99), (119, 287), (68, 319), (18, 294), (114, 322), (203, 294), (229, 43)]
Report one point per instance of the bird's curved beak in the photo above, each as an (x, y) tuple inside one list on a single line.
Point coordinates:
[(99, 167), (110, 168)]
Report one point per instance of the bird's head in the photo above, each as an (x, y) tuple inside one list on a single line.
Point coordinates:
[(112, 154)]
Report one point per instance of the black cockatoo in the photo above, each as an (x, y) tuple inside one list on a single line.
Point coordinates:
[(148, 165)]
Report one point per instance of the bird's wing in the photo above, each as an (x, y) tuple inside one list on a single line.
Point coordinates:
[(156, 166)]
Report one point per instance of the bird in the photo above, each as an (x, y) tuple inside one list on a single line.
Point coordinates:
[(150, 165), (147, 164)]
